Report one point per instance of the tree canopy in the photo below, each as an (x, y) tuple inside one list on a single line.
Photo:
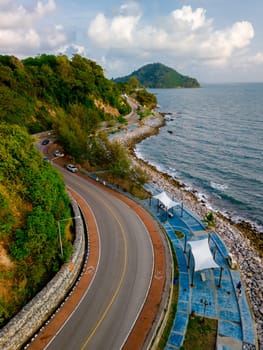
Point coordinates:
[(33, 90)]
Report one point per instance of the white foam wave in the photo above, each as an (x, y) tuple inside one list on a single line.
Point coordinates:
[(218, 186), (138, 153), (201, 196)]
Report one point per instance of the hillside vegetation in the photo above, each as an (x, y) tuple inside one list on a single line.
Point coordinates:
[(34, 89), (157, 75), (74, 99), (32, 200)]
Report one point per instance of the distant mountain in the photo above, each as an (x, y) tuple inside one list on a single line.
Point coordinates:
[(157, 75)]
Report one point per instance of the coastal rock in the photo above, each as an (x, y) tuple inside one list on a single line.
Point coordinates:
[(249, 260)]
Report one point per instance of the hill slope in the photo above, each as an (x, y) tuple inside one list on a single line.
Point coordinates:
[(34, 90), (157, 75), (72, 97), (32, 200)]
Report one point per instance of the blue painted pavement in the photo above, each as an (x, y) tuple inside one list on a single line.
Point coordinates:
[(217, 287)]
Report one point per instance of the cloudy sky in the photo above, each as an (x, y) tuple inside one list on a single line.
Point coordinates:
[(211, 40)]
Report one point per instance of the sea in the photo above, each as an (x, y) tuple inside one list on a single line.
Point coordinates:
[(213, 144)]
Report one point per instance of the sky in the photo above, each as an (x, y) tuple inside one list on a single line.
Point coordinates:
[(214, 41)]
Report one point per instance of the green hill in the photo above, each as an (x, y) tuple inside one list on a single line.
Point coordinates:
[(34, 90), (72, 97), (157, 75)]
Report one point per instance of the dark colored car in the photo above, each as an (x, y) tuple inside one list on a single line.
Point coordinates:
[(45, 142)]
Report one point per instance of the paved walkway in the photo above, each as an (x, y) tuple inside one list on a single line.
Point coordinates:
[(215, 287)]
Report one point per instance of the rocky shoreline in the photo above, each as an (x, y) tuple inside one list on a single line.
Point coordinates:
[(237, 237)]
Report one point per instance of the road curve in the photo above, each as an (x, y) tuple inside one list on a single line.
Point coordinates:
[(108, 311)]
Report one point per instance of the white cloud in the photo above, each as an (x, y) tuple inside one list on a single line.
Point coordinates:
[(69, 50), (13, 18), (16, 16), (219, 46), (43, 9), (56, 37), (241, 34), (183, 33), (186, 18), (127, 38), (118, 32), (20, 31), (15, 40)]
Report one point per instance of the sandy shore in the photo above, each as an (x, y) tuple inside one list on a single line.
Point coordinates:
[(248, 258)]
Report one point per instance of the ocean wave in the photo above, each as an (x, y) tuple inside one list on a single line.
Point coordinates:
[(138, 153), (219, 162), (237, 219), (218, 186)]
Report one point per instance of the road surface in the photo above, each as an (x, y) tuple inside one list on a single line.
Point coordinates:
[(107, 313)]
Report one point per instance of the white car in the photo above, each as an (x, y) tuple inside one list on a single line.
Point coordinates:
[(72, 168)]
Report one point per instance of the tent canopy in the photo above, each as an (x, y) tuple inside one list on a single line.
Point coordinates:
[(166, 201), (202, 255)]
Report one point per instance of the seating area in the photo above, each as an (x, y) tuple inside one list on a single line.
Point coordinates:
[(216, 287)]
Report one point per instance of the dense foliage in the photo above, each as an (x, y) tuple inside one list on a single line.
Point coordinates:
[(157, 75), (73, 98), (141, 95), (33, 90), (146, 99), (32, 200)]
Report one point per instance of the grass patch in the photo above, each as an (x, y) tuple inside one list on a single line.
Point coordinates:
[(210, 221), (179, 234), (127, 185), (200, 334), (144, 113)]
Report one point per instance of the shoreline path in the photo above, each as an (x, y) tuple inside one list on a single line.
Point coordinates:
[(248, 259)]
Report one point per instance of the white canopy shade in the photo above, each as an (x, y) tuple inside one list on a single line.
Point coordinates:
[(167, 201), (202, 255)]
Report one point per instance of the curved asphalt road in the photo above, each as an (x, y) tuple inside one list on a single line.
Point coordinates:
[(106, 315)]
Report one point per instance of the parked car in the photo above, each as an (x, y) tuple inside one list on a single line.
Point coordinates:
[(72, 168), (57, 153), (45, 142)]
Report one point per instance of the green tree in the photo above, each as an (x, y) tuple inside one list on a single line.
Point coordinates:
[(134, 82), (146, 99), (119, 163)]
